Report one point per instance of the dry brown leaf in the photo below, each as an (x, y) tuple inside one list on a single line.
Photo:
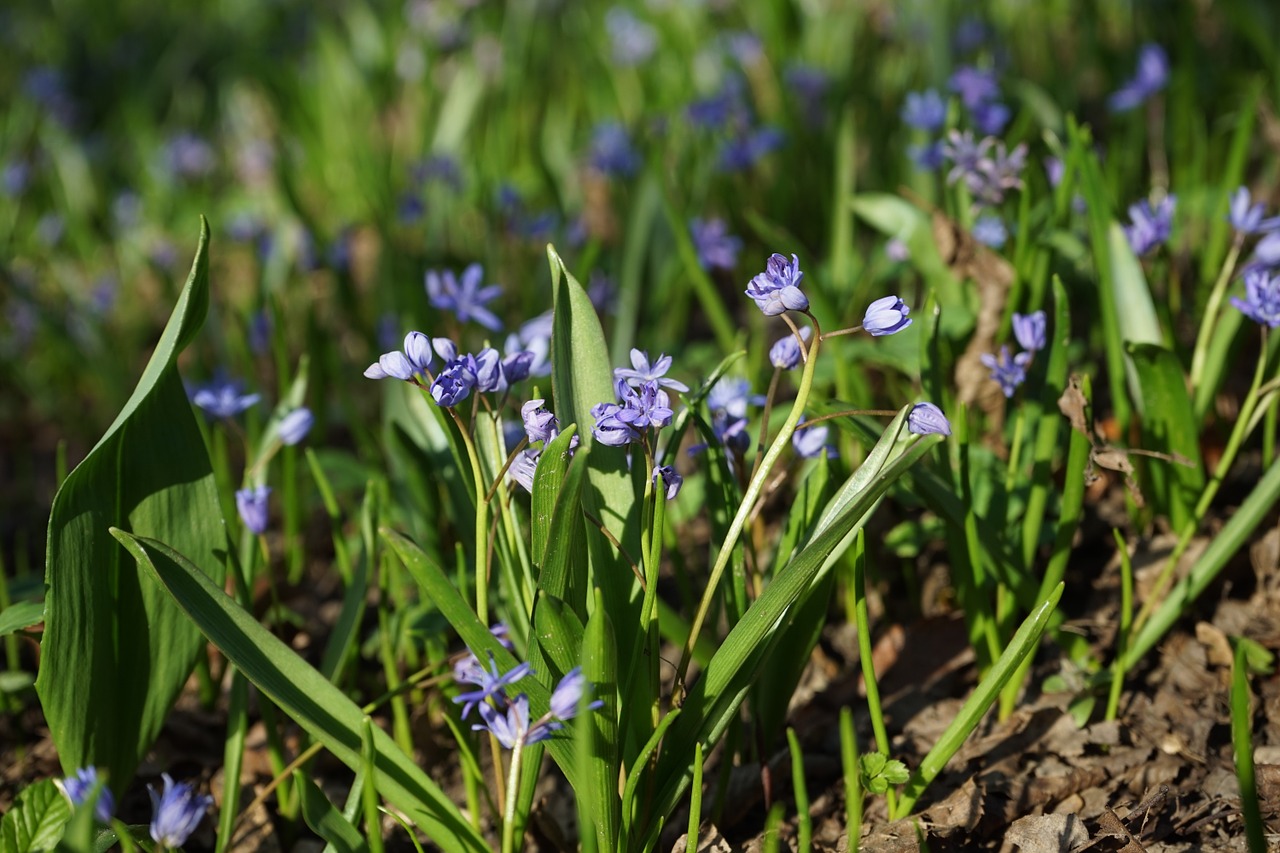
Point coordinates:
[(1052, 833)]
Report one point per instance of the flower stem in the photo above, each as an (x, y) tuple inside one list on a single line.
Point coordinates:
[(1211, 308), (513, 794), (482, 521), (863, 627), (749, 498)]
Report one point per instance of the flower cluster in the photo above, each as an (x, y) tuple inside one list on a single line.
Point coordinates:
[(630, 418), (716, 247), (612, 153), (1010, 372), (1149, 227), (986, 167), (79, 786), (508, 720), (979, 93), (462, 373), (540, 426), (777, 289), (1151, 76)]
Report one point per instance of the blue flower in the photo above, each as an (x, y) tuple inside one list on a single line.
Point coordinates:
[(671, 480), (810, 86), (513, 726), (1151, 76), (724, 108), (974, 85), (927, 156), (643, 407), (1246, 218), (811, 442), (611, 151), (252, 504), (777, 288), (188, 157), (924, 110), (1009, 372), (177, 812), (454, 382), (78, 788), (1029, 329), (408, 365), (716, 247), (990, 231), (632, 40), (927, 419), (1149, 227), (990, 117), (221, 398), (15, 177), (987, 168), (1262, 298), (295, 425), (539, 424), (785, 354), (886, 316), (523, 468), (642, 371), (491, 683), (609, 429), (746, 149), (465, 297), (567, 694)]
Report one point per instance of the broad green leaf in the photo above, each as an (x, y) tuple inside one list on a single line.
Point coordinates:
[(324, 818), (597, 731), (19, 615), (36, 820), (548, 481), (1135, 309), (303, 693), (559, 633), (1168, 426), (557, 509), (116, 650)]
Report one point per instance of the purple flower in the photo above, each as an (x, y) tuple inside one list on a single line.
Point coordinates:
[(414, 361), (487, 366), (465, 297), (990, 231), (176, 812), (1009, 372), (716, 247), (221, 398), (897, 250), (454, 382), (609, 429), (523, 468), (1262, 298), (1267, 253), (642, 371), (1150, 226), (746, 149), (990, 117), (15, 177), (811, 442), (810, 86), (671, 480), (924, 110), (252, 504), (79, 787), (974, 85), (611, 151), (986, 167), (539, 424), (491, 683), (295, 425), (189, 157), (632, 40), (927, 156), (1029, 329), (647, 406), (721, 109), (927, 419), (513, 726), (568, 694), (885, 316), (1150, 78), (785, 354), (777, 288), (1246, 218)]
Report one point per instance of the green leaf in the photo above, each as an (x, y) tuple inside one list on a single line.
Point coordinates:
[(1168, 426), (559, 632), (597, 731), (325, 819), (557, 517), (36, 821), (19, 615), (116, 650), (303, 693)]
